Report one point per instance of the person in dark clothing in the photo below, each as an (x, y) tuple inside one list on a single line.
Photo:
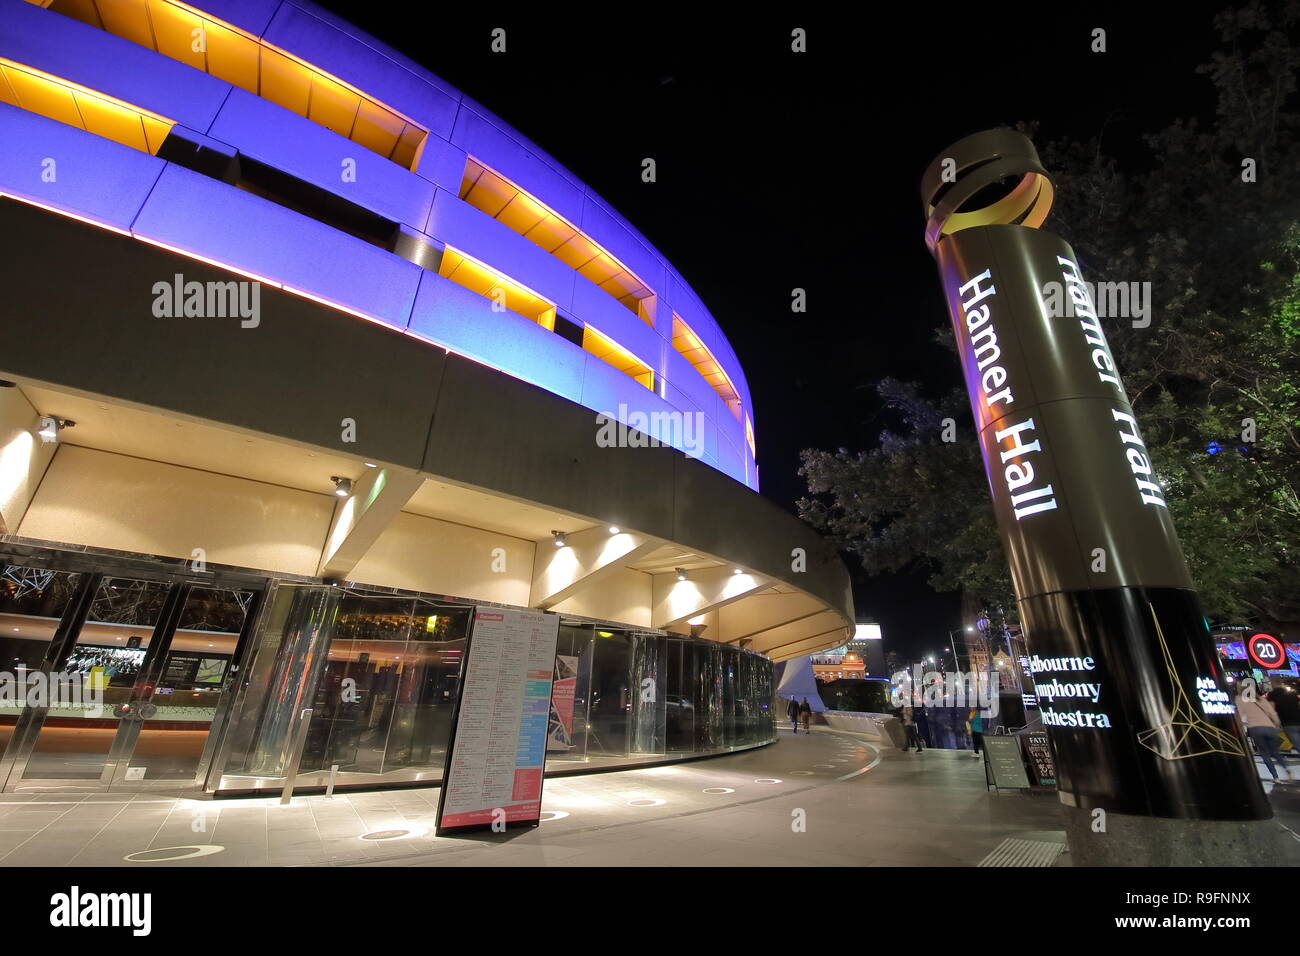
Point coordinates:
[(1286, 702), (909, 726), (793, 712), (922, 726), (805, 712)]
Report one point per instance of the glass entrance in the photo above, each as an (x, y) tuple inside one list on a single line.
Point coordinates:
[(91, 684), (114, 680), (385, 699), (165, 724)]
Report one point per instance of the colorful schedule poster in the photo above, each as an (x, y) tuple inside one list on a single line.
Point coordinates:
[(497, 754)]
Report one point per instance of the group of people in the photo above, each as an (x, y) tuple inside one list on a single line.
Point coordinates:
[(911, 726), (1267, 717), (799, 712)]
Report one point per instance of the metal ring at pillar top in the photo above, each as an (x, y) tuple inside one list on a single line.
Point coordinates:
[(975, 163)]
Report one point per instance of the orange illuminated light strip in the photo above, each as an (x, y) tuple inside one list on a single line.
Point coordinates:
[(505, 282), (708, 366), (109, 17), (315, 70), (632, 366), (485, 170), (77, 88)]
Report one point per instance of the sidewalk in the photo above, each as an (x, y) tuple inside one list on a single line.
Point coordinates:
[(826, 798)]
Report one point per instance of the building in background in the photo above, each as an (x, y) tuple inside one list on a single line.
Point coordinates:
[(306, 355)]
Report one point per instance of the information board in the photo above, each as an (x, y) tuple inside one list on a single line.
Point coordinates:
[(1040, 758), (497, 753), (1003, 765)]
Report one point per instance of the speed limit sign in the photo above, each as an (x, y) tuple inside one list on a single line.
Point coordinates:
[(1266, 651)]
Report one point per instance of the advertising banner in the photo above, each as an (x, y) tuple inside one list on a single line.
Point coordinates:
[(497, 754), (559, 736), (1040, 758)]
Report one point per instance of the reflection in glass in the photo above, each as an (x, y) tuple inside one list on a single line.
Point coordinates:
[(649, 706), (570, 693), (385, 699), (680, 710), (611, 694), (32, 600), (179, 711), (389, 677), (75, 739)]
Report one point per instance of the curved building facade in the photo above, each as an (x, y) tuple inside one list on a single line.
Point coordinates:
[(306, 355)]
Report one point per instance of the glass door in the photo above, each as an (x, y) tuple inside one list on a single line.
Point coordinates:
[(165, 724), (64, 741), (127, 682), (33, 603), (384, 701)]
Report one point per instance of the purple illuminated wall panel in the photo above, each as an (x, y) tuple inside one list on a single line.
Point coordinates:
[(463, 321), (497, 245), (731, 460), (622, 244), (197, 214), (251, 16), (92, 176), (442, 163), (211, 219), (286, 141), (682, 377), (401, 60), (517, 162), (608, 316), (345, 55)]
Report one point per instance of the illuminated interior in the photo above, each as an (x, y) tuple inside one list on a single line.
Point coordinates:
[(38, 92), (610, 351), (698, 354), (490, 284), (169, 28), (505, 202)]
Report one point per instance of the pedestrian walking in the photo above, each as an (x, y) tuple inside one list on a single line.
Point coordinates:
[(909, 727), (1286, 702), (793, 712), (975, 727), (1262, 724), (805, 712)]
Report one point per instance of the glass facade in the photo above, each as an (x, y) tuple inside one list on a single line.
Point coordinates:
[(166, 681), (115, 679), (384, 672)]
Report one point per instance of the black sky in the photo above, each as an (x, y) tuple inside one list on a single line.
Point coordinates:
[(778, 170)]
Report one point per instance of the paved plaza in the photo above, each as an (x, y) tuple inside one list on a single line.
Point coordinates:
[(825, 798)]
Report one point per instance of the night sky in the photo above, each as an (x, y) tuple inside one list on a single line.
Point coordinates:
[(778, 170)]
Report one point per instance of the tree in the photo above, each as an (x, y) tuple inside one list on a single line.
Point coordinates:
[(1212, 222)]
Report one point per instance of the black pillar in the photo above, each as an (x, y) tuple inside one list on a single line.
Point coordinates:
[(1152, 764)]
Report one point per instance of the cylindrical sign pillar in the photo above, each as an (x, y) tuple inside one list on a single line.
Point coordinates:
[(1152, 764)]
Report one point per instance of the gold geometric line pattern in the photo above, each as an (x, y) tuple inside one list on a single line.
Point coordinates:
[(1186, 733)]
